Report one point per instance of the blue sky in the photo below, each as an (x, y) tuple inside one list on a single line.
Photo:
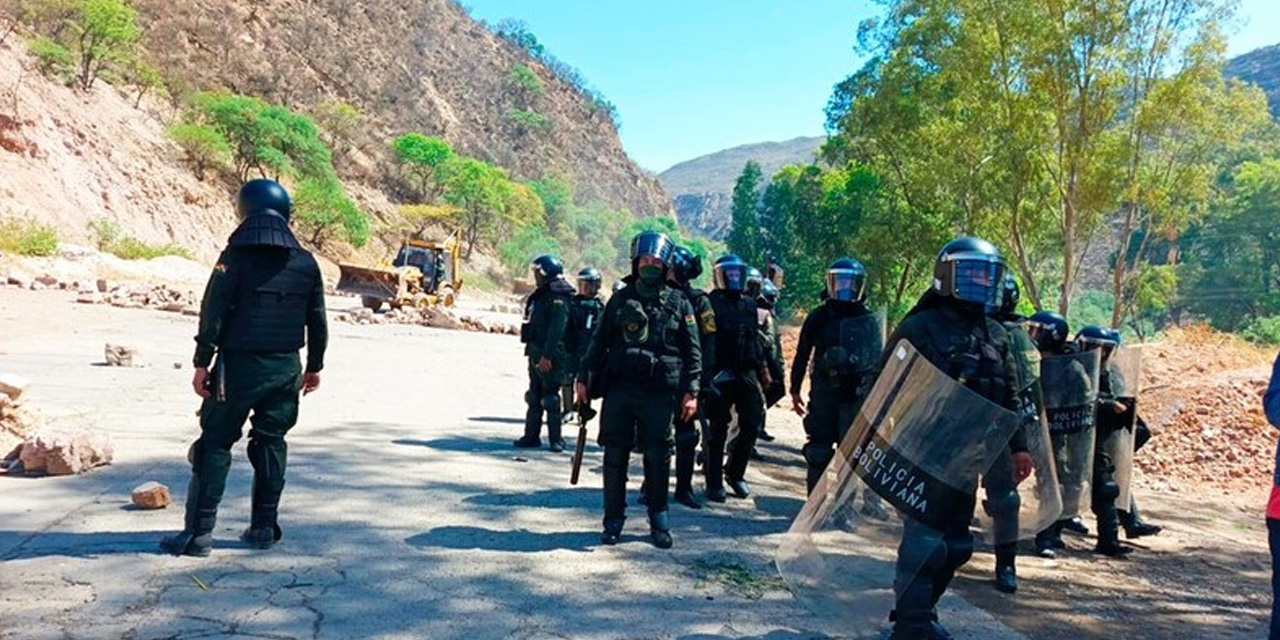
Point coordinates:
[(696, 76)]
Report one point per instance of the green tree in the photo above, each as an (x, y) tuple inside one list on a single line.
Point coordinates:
[(203, 147), (266, 139), (339, 123), (323, 212), (424, 160), (744, 231), (105, 33), (479, 190), (525, 85)]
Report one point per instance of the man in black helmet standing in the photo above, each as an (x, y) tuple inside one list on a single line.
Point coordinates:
[(685, 268), (546, 319), (843, 340), (264, 301), (585, 310), (950, 328), (738, 383), (645, 361)]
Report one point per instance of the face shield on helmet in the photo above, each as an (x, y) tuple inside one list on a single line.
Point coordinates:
[(545, 268), (730, 274), (589, 282), (846, 282), (652, 244), (1048, 329), (769, 294), (977, 278), (755, 280), (1093, 337)]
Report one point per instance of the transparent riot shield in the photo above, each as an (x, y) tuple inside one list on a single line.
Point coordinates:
[(919, 442), (1013, 511), (1070, 387), (1124, 367)]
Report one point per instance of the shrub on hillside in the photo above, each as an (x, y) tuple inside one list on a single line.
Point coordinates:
[(1263, 330), (52, 59), (529, 120), (322, 211), (27, 237), (203, 146), (111, 239)]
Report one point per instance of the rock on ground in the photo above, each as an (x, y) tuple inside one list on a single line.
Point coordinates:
[(151, 495), (122, 356), (60, 453)]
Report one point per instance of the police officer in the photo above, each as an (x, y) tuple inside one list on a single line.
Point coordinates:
[(685, 268), (264, 301), (645, 361), (755, 282), (834, 335), (546, 323), (741, 375), (1049, 330), (1109, 409), (584, 316), (950, 328), (771, 334), (1002, 500)]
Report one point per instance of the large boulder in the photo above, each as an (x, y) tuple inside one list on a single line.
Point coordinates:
[(62, 453), (122, 356)]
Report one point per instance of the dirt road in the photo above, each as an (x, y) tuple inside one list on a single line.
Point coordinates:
[(408, 515)]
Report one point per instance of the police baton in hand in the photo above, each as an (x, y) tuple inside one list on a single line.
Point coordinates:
[(585, 414)]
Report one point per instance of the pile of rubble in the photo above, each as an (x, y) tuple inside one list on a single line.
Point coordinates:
[(44, 451), (437, 317), (161, 297)]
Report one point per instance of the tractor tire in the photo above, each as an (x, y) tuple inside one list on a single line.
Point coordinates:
[(372, 303), (447, 297)]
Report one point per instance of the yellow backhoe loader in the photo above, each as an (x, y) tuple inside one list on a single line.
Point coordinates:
[(423, 274)]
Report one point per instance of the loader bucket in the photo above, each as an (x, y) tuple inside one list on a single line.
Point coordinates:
[(366, 282)]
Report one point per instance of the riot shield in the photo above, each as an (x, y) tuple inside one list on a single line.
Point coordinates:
[(919, 442), (1070, 386), (1125, 370), (1018, 511)]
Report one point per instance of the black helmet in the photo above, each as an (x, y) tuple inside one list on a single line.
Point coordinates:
[(1115, 336), (754, 281), (686, 265), (1049, 330), (1010, 294), (970, 270), (846, 280), (258, 196), (589, 282), (546, 268), (651, 244), (768, 295), (730, 274), (1093, 337)]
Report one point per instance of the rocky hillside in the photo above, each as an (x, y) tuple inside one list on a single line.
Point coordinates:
[(700, 188), (1261, 67), (69, 157)]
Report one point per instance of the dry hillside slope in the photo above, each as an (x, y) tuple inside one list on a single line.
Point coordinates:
[(421, 65)]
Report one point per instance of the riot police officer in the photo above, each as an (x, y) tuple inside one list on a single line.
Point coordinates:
[(264, 301), (771, 334), (1049, 330), (755, 282), (546, 323), (951, 329), (645, 361), (584, 316), (1002, 500), (738, 383), (1109, 409), (686, 266), (844, 341)]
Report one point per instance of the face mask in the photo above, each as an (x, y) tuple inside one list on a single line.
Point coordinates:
[(651, 275)]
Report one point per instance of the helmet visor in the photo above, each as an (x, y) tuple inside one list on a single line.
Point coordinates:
[(653, 245), (588, 287), (978, 279), (845, 284), (731, 277)]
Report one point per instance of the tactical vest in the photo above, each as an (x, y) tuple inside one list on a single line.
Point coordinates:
[(654, 364), (584, 315), (1026, 355), (839, 341), (969, 354), (269, 311), (534, 329), (738, 346)]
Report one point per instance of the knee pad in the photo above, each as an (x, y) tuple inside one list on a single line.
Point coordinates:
[(1006, 503), (959, 550), (551, 402), (530, 398), (928, 552), (1106, 491)]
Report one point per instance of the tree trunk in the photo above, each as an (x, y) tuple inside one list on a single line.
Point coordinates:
[(1122, 258)]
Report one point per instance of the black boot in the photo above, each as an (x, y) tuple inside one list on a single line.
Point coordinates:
[(196, 537), (263, 531), (660, 530), (527, 442), (1109, 534), (615, 492), (1006, 572), (739, 487), (612, 532), (1049, 540), (764, 435), (1075, 525), (1134, 527)]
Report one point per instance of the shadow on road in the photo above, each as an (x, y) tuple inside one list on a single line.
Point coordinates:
[(519, 540)]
